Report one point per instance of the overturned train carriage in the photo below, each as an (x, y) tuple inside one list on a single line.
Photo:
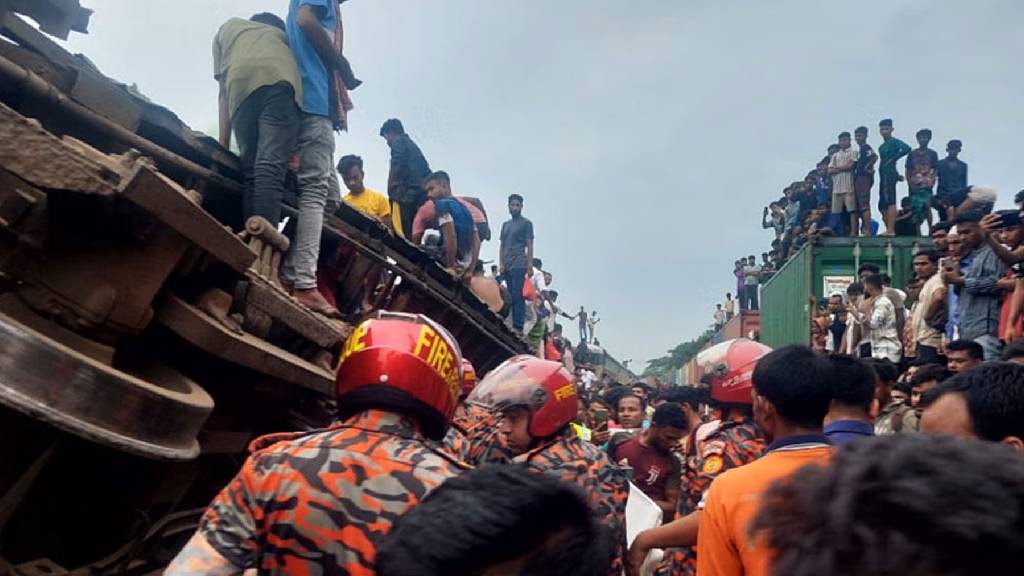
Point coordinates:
[(144, 336)]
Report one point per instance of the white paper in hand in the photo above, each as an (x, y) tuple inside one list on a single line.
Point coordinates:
[(642, 514)]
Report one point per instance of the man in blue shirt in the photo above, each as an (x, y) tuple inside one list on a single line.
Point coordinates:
[(460, 241), (312, 25), (853, 400), (977, 285)]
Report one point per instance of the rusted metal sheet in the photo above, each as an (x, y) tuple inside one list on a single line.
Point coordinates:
[(59, 76), (49, 381), (205, 332), (47, 97), (40, 158), (104, 284), (15, 201), (164, 199)]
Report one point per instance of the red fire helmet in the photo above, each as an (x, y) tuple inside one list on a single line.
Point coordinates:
[(730, 366), (403, 361), (545, 388), (468, 377)]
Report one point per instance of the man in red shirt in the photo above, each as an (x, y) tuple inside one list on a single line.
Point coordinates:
[(656, 471)]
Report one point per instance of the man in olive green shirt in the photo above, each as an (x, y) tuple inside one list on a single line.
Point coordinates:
[(260, 95)]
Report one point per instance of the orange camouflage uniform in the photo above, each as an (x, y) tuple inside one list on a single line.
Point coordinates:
[(736, 442), (475, 438), (578, 462), (319, 502)]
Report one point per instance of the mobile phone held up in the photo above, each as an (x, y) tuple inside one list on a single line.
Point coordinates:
[(1008, 218)]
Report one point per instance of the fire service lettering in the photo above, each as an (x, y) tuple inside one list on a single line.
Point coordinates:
[(355, 342), (736, 380), (567, 391), (439, 357)]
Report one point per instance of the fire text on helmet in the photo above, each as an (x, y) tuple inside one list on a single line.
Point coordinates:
[(355, 342), (432, 349), (567, 391)]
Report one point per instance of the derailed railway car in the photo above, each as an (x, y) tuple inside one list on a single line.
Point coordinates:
[(144, 336)]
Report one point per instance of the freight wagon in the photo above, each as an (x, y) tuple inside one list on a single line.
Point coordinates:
[(827, 266)]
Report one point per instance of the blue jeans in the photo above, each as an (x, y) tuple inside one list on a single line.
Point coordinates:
[(515, 280), (316, 162), (991, 346), (751, 293), (266, 125)]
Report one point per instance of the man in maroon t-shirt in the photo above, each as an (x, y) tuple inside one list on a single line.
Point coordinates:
[(655, 470)]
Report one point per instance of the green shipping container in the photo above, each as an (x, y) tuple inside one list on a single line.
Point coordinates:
[(826, 267)]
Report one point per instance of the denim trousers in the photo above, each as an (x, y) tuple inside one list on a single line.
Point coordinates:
[(515, 280), (316, 162), (266, 125)]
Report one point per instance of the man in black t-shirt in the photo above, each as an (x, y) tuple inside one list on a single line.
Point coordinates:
[(405, 178)]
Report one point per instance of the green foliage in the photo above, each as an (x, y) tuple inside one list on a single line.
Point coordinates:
[(677, 357)]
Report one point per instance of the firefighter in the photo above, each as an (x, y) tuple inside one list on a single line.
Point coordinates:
[(474, 436), (735, 441), (537, 402), (320, 502)]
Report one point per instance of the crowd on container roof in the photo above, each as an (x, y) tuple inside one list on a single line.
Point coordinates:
[(963, 301), (836, 199)]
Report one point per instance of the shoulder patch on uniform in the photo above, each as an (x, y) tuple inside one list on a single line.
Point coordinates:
[(712, 447), (712, 465)]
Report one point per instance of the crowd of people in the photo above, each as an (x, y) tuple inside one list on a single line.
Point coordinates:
[(750, 275), (284, 89), (427, 471), (836, 197), (966, 291), (531, 470)]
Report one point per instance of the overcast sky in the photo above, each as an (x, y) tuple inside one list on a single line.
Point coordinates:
[(646, 135)]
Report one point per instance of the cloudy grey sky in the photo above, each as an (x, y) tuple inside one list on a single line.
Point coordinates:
[(645, 135)]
